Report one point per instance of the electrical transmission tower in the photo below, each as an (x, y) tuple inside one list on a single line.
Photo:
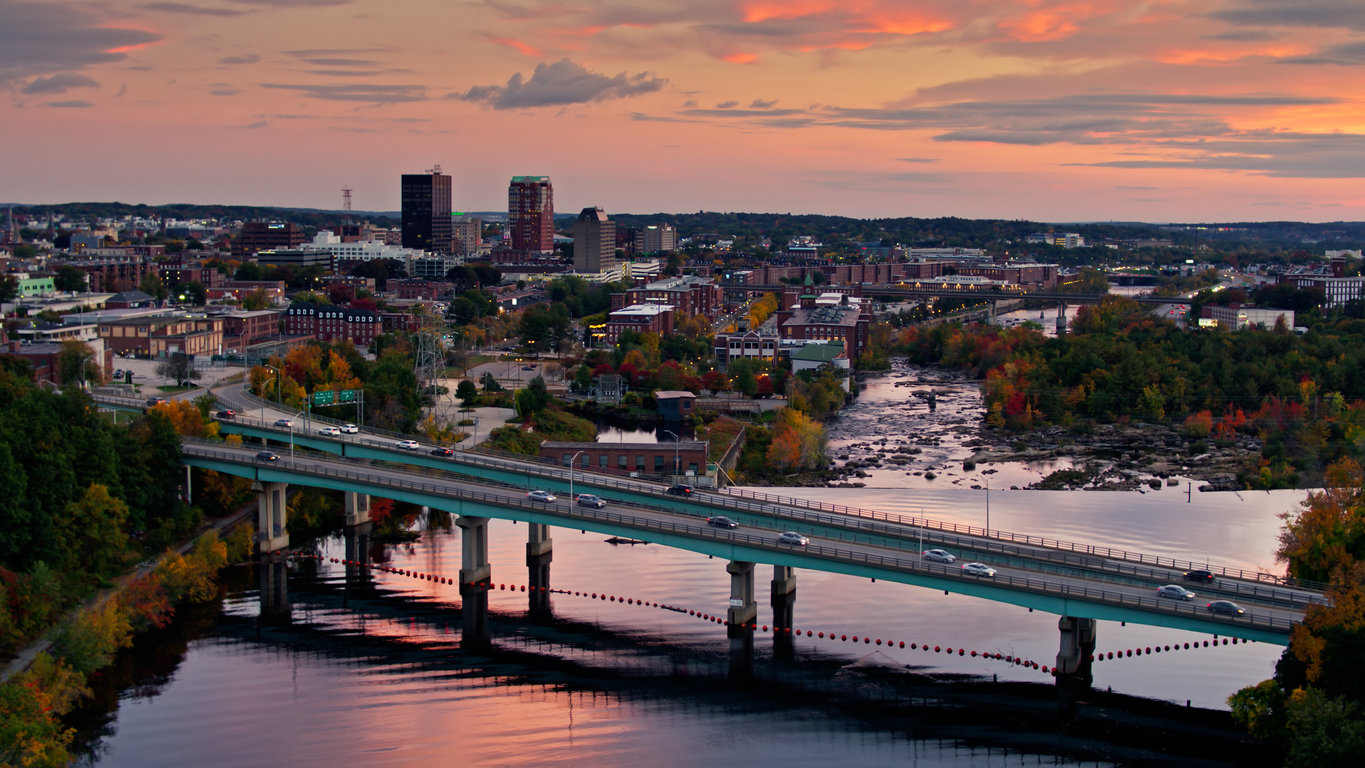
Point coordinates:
[(430, 359)]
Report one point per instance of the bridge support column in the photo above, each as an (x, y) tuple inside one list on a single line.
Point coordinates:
[(784, 608), (539, 553), (358, 551), (991, 319), (1061, 318), (272, 516), (474, 575), (272, 575), (743, 608), (357, 508), (1073, 659)]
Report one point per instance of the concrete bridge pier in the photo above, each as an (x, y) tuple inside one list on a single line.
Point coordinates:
[(1061, 318), (272, 580), (539, 553), (357, 508), (358, 551), (1074, 673), (474, 576), (990, 318), (784, 608), (743, 608), (272, 516)]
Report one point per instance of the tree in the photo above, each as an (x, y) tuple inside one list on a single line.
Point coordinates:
[(467, 392), (68, 278), (195, 292), (76, 363), (256, 300), (152, 286), (9, 288), (178, 367), (92, 531), (490, 382)]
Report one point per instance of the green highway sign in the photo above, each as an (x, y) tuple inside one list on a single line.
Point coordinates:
[(347, 396), (326, 397)]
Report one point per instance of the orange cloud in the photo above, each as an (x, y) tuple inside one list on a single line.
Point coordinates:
[(740, 58), (524, 49), (870, 16)]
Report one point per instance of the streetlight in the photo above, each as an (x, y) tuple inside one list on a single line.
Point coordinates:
[(571, 461), (291, 434), (277, 371), (676, 442)]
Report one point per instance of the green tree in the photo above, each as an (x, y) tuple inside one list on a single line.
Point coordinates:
[(195, 293), (256, 300), (9, 288), (92, 531), (76, 363), (68, 278), (152, 286), (490, 382), (467, 392)]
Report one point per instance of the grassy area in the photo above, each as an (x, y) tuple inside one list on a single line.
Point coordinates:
[(177, 388)]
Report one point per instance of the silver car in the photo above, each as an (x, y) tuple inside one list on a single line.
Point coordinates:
[(330, 431), (978, 569), (1175, 592), (938, 556), (793, 538), (541, 496)]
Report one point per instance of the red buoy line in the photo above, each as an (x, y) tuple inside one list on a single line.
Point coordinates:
[(1008, 659)]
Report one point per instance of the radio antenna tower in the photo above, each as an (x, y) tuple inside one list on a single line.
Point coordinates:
[(346, 202)]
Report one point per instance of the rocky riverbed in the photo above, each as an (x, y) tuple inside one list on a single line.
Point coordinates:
[(922, 427)]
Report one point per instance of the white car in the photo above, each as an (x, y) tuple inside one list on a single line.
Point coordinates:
[(407, 445), (793, 538), (978, 569), (286, 423), (938, 556), (545, 496), (1175, 592), (330, 431), (350, 429)]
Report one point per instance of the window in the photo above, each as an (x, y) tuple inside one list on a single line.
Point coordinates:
[(692, 466), (566, 460), (603, 461), (658, 464), (621, 461), (640, 463), (586, 461)]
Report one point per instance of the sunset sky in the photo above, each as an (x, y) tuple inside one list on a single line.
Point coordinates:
[(1056, 110)]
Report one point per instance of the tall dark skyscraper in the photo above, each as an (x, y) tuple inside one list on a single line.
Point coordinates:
[(426, 211), (531, 214)]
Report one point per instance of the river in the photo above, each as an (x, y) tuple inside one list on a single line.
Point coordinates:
[(351, 674)]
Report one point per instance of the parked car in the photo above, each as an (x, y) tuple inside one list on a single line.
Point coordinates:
[(793, 538), (938, 556), (227, 414), (444, 453), (330, 432), (591, 500), (1201, 576), (545, 496), (721, 522), (978, 569), (118, 374), (407, 445), (1225, 606), (680, 490), (350, 429), (286, 423), (266, 456), (1175, 592)]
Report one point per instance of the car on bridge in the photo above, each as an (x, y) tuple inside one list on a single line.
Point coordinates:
[(1226, 607), (544, 496), (591, 500), (407, 445), (1175, 592), (793, 538), (350, 429), (288, 423), (680, 490), (721, 522), (978, 569), (1201, 576), (266, 456), (151, 401), (227, 413), (444, 453), (938, 556), (330, 432)]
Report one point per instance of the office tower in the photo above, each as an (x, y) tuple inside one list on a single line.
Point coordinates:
[(659, 238), (468, 234), (262, 236), (426, 211), (594, 241), (531, 214)]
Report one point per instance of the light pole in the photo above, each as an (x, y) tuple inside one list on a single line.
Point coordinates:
[(988, 507), (291, 434), (277, 371), (676, 441), (571, 461)]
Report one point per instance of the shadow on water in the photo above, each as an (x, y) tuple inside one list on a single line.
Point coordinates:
[(386, 633)]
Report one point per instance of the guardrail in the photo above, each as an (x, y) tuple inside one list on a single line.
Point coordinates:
[(324, 466)]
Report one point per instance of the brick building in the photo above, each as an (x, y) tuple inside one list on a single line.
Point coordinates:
[(110, 274), (332, 323), (641, 318), (429, 290), (825, 319), (159, 336), (242, 329), (259, 236), (645, 458), (687, 295), (238, 290)]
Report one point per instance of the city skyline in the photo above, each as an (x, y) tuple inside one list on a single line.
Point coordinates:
[(1234, 110)]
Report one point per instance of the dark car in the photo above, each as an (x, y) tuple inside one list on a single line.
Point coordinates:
[(266, 456), (1201, 576), (721, 522), (591, 500), (1225, 606), (680, 490), (227, 414), (445, 452), (151, 401)]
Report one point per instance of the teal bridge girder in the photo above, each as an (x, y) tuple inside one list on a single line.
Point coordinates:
[(454, 494)]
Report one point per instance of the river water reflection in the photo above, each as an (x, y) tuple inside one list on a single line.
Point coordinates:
[(373, 672)]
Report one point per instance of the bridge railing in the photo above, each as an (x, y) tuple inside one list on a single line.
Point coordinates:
[(760, 502), (330, 467)]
